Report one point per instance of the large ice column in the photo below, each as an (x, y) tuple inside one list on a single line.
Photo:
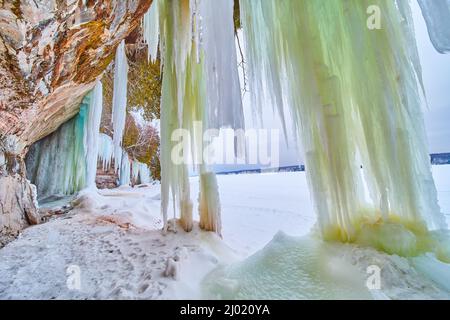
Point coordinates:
[(119, 111), (354, 93), (222, 106), (92, 136), (209, 203), (285, 50), (200, 83), (389, 104), (106, 151), (175, 35), (437, 17)]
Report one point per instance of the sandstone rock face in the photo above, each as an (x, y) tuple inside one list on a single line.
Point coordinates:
[(51, 54), (18, 207), (18, 199)]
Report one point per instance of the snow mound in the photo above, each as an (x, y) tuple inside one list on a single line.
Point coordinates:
[(289, 268), (308, 268), (133, 206)]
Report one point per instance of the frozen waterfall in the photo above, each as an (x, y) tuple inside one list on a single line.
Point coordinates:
[(60, 164), (356, 98)]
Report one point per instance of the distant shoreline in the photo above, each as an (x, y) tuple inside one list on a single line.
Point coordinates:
[(440, 158), (437, 159)]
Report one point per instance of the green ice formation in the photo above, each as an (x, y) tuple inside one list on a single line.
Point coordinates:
[(66, 161), (349, 74)]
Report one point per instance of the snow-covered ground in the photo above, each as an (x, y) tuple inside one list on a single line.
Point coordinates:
[(112, 243), (256, 206)]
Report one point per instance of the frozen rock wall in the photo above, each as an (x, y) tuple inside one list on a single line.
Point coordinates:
[(52, 52)]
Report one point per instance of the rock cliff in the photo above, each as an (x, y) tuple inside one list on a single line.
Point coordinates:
[(51, 54)]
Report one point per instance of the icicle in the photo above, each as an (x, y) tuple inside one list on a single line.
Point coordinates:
[(144, 174), (354, 93), (140, 173), (119, 112), (106, 151), (128, 169), (92, 133), (437, 17), (217, 43), (135, 171), (125, 170), (151, 30)]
